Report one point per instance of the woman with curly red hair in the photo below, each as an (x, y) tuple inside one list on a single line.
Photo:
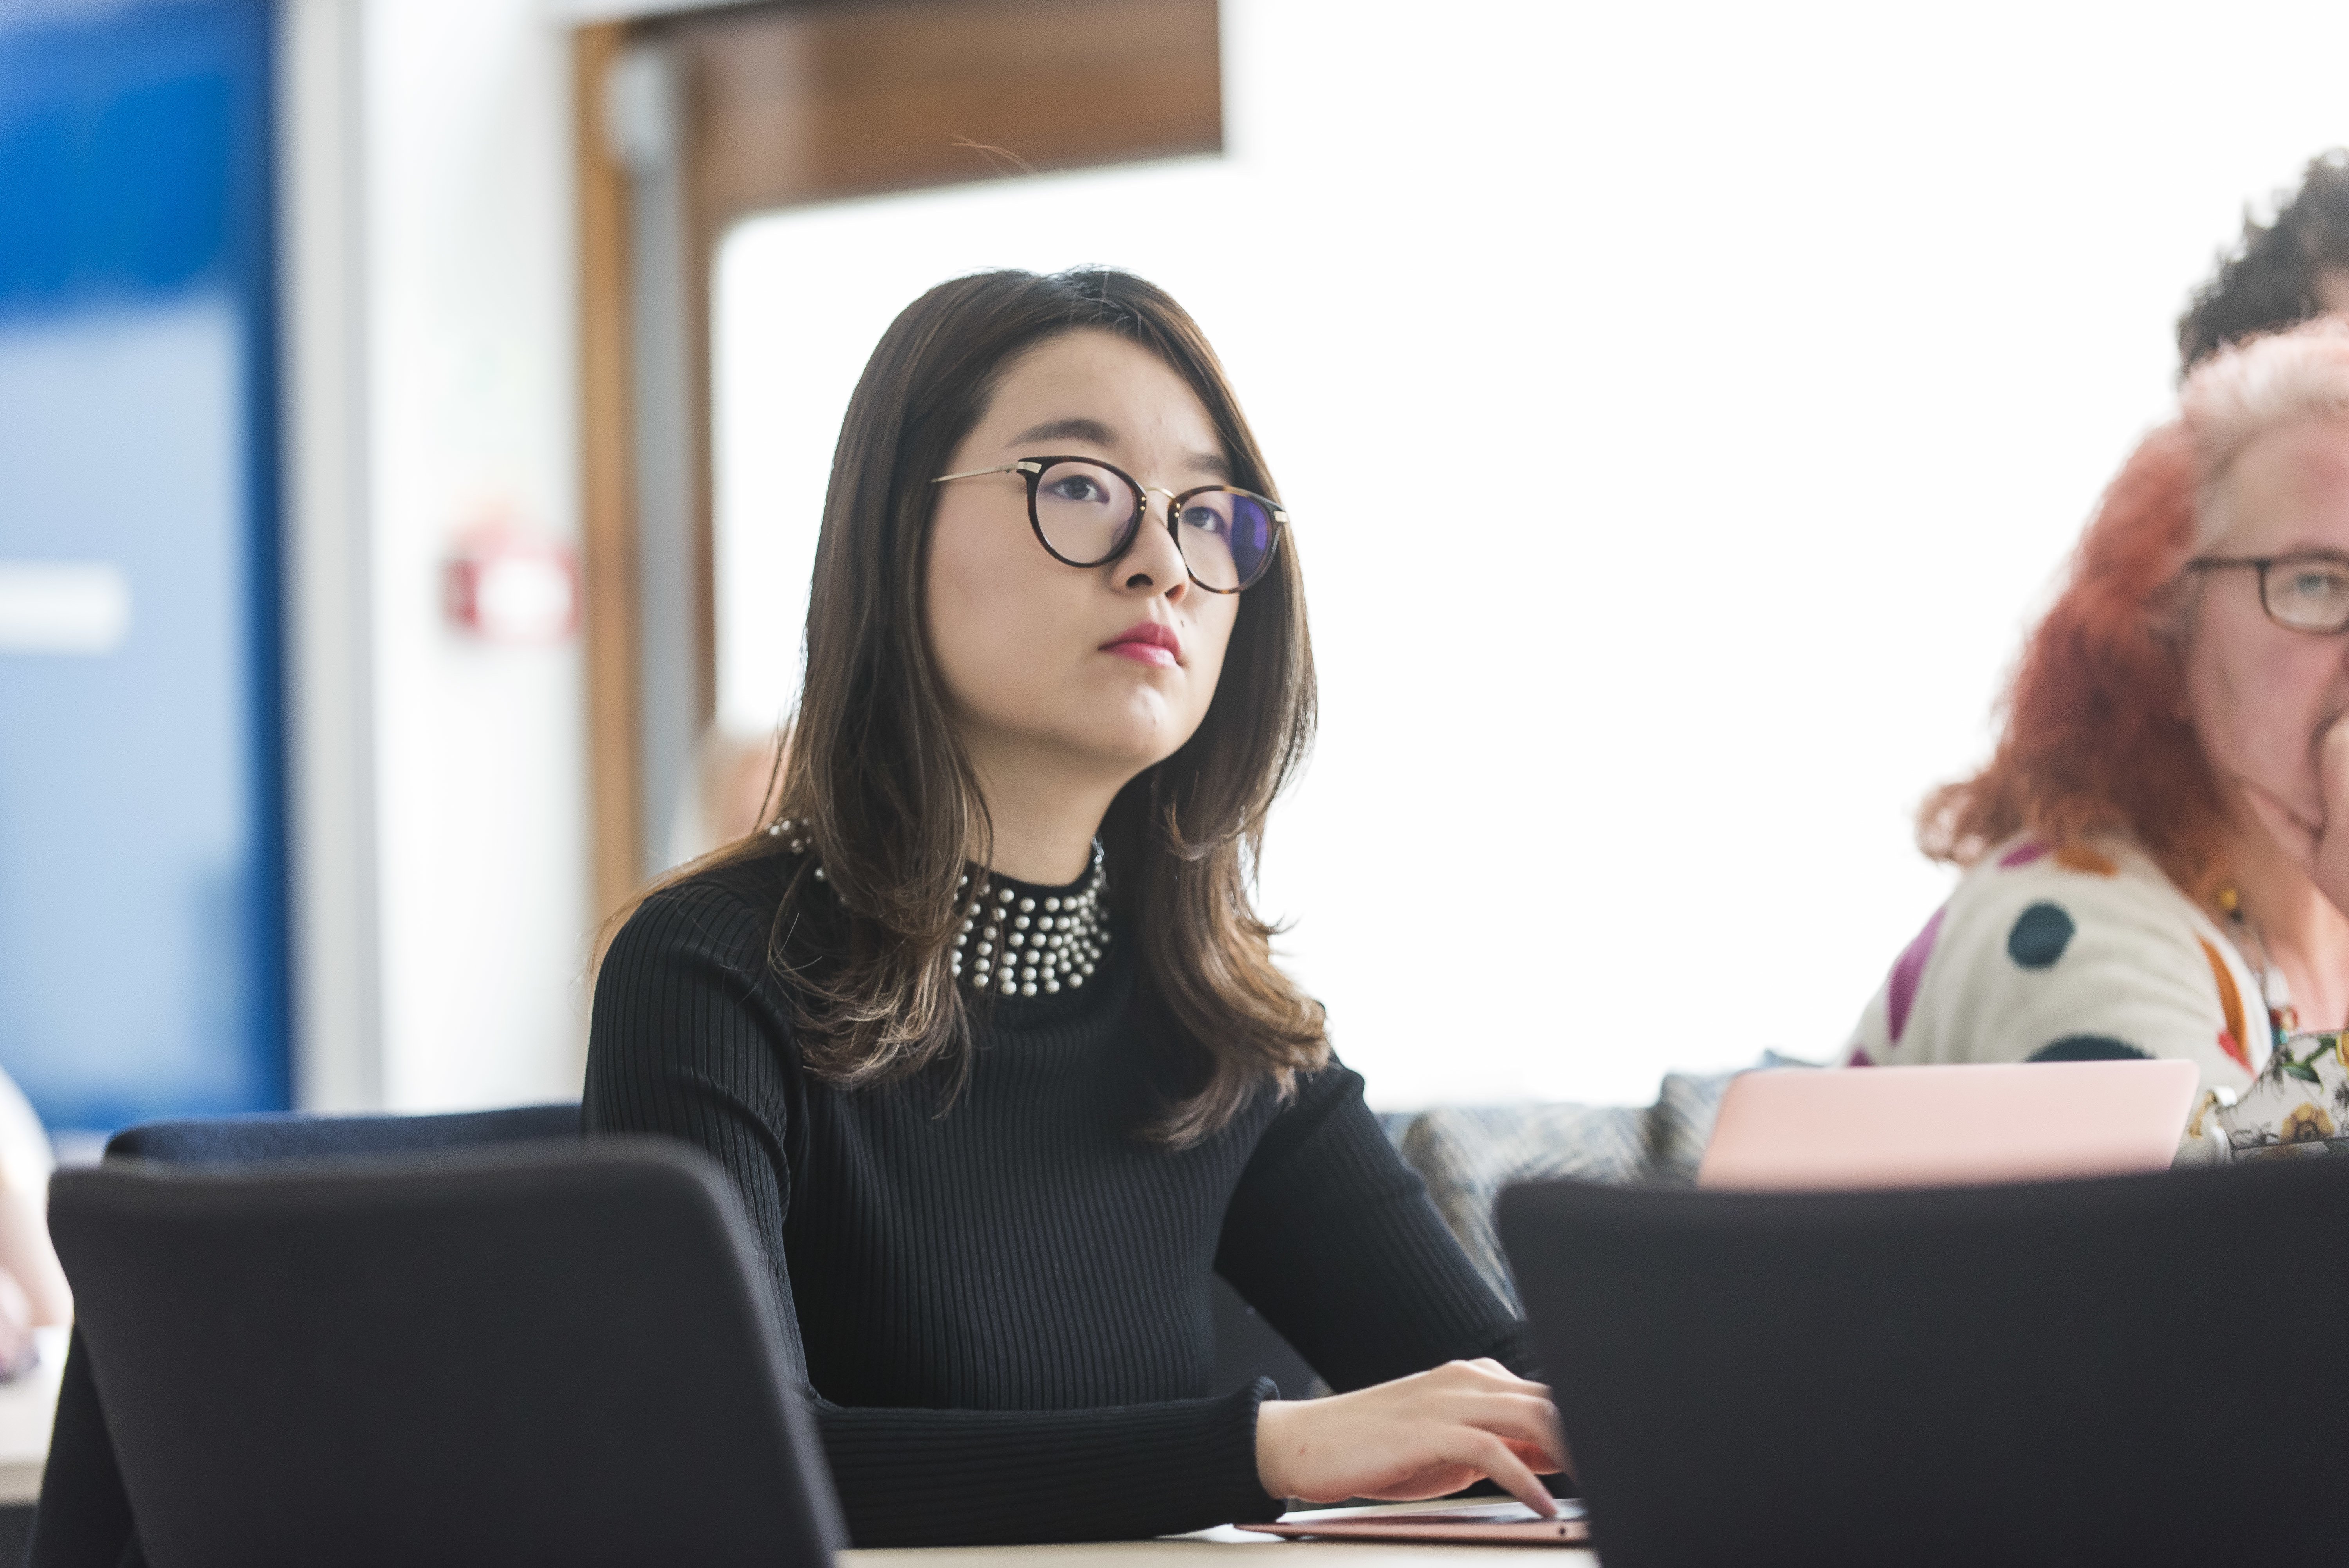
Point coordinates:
[(2158, 851)]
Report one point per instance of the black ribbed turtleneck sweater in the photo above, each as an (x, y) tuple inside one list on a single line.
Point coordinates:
[(1002, 1312)]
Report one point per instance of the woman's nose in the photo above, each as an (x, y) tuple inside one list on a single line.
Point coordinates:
[(1154, 566)]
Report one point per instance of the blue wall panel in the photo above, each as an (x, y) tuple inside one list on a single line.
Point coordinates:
[(142, 926)]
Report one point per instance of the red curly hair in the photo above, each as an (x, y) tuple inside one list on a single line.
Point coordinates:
[(2097, 738)]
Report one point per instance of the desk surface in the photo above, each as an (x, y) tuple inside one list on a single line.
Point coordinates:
[(1195, 1551)]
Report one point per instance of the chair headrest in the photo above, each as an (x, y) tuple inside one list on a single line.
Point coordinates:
[(546, 1351)]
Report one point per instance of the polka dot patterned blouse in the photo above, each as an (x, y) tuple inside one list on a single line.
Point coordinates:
[(2079, 953)]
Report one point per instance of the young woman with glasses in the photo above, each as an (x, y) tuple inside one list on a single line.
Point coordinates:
[(2159, 847), (981, 1022)]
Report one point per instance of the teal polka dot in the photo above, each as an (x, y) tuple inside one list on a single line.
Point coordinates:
[(2088, 1048), (2040, 935)]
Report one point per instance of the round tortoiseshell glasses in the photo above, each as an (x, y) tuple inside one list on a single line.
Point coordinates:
[(1088, 512)]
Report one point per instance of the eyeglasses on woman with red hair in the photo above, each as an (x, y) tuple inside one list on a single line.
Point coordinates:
[(2158, 853)]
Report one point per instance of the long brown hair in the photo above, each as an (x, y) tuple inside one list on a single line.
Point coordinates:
[(877, 772)]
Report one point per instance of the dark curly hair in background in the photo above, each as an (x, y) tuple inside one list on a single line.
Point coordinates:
[(2269, 279)]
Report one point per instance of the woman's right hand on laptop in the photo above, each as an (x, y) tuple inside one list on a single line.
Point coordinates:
[(1424, 1436)]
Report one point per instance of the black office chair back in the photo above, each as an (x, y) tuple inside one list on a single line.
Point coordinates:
[(84, 1518), (2125, 1371), (497, 1356), (211, 1141)]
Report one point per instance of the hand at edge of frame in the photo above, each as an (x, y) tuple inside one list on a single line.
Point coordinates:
[(2321, 849)]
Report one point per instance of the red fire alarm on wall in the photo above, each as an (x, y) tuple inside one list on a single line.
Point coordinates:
[(506, 582)]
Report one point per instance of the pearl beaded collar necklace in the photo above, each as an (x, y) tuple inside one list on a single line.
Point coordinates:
[(1014, 942)]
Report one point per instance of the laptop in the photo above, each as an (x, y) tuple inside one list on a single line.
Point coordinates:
[(1793, 1128), (2123, 1370), (1809, 1129), (1509, 1523)]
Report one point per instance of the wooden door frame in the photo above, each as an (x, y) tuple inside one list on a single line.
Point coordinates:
[(784, 104)]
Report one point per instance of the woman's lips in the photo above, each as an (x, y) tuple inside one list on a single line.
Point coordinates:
[(1149, 643)]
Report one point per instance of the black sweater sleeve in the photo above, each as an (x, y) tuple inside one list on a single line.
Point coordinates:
[(1333, 1239), (691, 1038)]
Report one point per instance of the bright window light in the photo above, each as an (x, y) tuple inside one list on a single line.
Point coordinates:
[(1754, 367)]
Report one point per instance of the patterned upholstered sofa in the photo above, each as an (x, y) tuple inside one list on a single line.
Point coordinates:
[(1466, 1154)]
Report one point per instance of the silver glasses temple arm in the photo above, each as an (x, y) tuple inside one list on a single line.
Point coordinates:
[(1008, 468)]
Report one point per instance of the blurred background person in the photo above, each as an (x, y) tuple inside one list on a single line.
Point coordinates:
[(2157, 859), (2284, 271), (734, 775), (33, 1290)]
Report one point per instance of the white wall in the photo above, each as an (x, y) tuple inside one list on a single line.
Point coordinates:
[(469, 398), (1762, 362)]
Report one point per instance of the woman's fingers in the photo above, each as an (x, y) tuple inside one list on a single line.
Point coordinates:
[(1511, 1382), (1417, 1437), (1518, 1416), (2322, 850), (1487, 1453), (1537, 1459), (2330, 872), (1532, 1419), (1523, 1411), (2295, 837), (2333, 758)]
